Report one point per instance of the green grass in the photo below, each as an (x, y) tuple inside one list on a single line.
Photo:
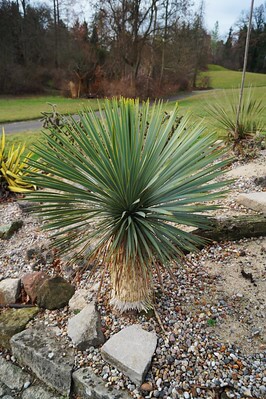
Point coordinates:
[(28, 137), (222, 78), (196, 105), (214, 67), (14, 109)]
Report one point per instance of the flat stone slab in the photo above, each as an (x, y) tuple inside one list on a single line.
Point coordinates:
[(48, 356), (131, 351), (88, 386), (251, 169), (255, 201), (14, 321), (12, 376)]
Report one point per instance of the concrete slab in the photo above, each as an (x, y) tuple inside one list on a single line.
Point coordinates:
[(255, 201), (48, 356), (131, 351), (88, 386)]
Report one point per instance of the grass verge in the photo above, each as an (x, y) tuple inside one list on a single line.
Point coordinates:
[(197, 105), (13, 109)]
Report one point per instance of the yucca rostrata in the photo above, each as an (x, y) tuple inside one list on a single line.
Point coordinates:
[(123, 183)]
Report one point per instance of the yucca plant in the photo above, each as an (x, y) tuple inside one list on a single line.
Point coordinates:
[(13, 168), (117, 187), (224, 109)]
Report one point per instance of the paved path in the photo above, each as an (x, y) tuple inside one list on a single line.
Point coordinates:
[(17, 127)]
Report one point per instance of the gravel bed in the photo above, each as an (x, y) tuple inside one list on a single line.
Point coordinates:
[(210, 326)]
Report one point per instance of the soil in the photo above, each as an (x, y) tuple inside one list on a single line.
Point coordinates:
[(240, 278)]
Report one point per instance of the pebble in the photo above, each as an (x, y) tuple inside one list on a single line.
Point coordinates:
[(146, 386), (26, 384)]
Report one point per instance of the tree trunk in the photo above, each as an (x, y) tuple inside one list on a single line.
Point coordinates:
[(131, 287), (235, 228)]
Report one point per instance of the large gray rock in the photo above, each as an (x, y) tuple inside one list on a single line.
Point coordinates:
[(82, 297), (9, 290), (7, 230), (255, 201), (12, 376), (48, 356), (14, 321), (85, 328), (88, 386), (38, 392), (54, 293), (131, 351), (79, 300)]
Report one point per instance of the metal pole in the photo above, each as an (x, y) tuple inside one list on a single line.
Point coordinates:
[(236, 135)]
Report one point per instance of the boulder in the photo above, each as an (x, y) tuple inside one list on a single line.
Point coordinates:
[(13, 321), (54, 293), (255, 201), (88, 386), (9, 290), (48, 356), (85, 328), (131, 351), (7, 230), (32, 283), (82, 297), (12, 376), (78, 300)]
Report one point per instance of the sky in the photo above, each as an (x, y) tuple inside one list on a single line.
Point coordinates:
[(226, 12)]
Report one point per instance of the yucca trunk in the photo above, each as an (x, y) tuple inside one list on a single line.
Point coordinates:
[(132, 287)]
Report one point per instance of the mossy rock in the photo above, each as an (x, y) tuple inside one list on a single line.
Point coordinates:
[(7, 230), (13, 321)]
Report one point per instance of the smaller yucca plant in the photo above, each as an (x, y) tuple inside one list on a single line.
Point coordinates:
[(14, 167), (121, 186), (223, 112)]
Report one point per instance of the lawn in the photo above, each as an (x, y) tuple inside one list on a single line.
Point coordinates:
[(196, 105), (28, 137), (14, 109), (31, 107), (221, 78)]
